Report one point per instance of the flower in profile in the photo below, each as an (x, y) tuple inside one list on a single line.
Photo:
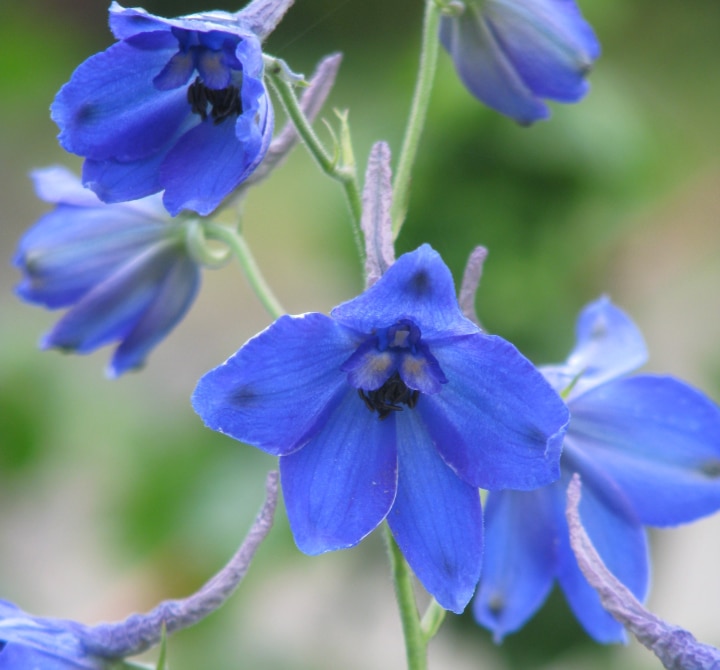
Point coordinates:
[(123, 270), (514, 54), (393, 407), (176, 105), (647, 448)]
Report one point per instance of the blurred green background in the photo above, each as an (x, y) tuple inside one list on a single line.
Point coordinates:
[(113, 496)]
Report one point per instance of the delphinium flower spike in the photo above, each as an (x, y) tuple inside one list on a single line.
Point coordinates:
[(176, 105), (124, 271), (675, 647), (393, 407), (42, 643), (514, 54), (648, 450)]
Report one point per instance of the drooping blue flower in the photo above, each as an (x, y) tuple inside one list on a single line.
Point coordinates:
[(176, 105), (647, 448), (123, 270), (514, 54), (394, 407)]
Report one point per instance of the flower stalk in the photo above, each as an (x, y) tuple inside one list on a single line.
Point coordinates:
[(329, 164), (418, 114), (240, 249), (416, 640)]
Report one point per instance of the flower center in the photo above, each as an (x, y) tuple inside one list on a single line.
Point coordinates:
[(388, 398), (224, 102), (393, 368)]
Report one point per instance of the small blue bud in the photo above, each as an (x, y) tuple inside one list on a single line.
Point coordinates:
[(514, 54)]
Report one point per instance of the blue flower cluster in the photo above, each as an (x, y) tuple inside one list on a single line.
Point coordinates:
[(396, 407)]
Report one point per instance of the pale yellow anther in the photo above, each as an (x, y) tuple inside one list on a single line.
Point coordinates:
[(379, 362), (414, 367)]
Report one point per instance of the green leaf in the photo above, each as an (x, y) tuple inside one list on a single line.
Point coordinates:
[(162, 659)]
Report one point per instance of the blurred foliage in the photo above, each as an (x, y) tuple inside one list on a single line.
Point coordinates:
[(550, 202)]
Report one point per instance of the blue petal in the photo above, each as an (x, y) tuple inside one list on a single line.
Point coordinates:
[(23, 657), (277, 391), (110, 108), (210, 160), (436, 519), (369, 368), (72, 249), (172, 300), (608, 344), (176, 73), (659, 439), (496, 422), (520, 562), (28, 642), (421, 371), (619, 539), (130, 22), (485, 69), (419, 287), (111, 309), (115, 181), (549, 43), (126, 23), (57, 184), (342, 483)]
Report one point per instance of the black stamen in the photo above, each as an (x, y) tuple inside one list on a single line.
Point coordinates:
[(388, 398), (224, 102)]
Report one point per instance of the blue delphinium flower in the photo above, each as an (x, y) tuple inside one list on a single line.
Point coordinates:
[(176, 105), (648, 450), (394, 407), (513, 54), (123, 270)]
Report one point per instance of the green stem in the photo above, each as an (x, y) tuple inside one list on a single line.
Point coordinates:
[(345, 174), (418, 112), (237, 244), (415, 639)]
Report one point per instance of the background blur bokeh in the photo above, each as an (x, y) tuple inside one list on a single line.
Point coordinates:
[(113, 496)]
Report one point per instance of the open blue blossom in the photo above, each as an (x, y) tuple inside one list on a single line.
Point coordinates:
[(123, 270), (647, 449), (394, 407), (176, 105), (514, 54)]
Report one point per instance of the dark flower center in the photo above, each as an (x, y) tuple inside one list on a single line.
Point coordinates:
[(388, 398), (224, 102), (392, 368)]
